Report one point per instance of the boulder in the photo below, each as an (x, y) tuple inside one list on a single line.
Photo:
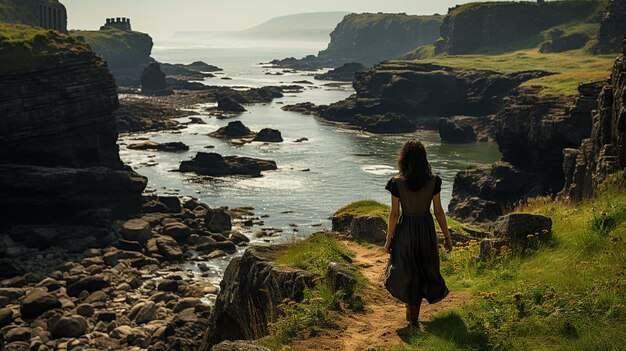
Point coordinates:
[(454, 132), (218, 221), (372, 228), (226, 246), (38, 301), (6, 317), (177, 230), (238, 346), (17, 334), (188, 302), (269, 135), (89, 283), (517, 226), (169, 248), (234, 129), (212, 164), (136, 230), (69, 327), (173, 146), (344, 73), (229, 104), (340, 278), (143, 313), (168, 285)]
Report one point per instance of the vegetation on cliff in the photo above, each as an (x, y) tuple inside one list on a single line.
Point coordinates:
[(24, 47), (566, 295), (117, 47)]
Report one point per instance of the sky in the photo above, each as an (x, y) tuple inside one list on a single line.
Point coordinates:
[(162, 18)]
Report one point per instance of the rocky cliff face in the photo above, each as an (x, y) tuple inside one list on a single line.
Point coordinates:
[(250, 292), (475, 27), (605, 151), (412, 91), (58, 150), (369, 38), (127, 53), (612, 28), (532, 131)]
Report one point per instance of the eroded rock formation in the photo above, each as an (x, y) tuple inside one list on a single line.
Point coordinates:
[(612, 28), (605, 151)]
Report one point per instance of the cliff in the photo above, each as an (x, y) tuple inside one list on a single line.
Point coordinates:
[(127, 53), (369, 38), (488, 26), (604, 152), (612, 28), (58, 133)]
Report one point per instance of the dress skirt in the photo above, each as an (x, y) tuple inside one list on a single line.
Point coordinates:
[(413, 271)]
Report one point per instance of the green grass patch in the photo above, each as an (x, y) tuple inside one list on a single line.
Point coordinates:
[(573, 67), (309, 317), (565, 296), (366, 208), (25, 48), (117, 47)]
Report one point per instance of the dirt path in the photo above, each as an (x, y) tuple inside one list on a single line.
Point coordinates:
[(383, 323)]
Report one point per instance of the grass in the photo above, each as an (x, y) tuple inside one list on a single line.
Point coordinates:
[(308, 317), (25, 48), (573, 67), (363, 20), (566, 296), (117, 47), (365, 208)]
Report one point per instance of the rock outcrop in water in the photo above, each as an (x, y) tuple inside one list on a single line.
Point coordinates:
[(369, 38), (410, 91), (343, 73), (604, 152), (153, 81), (612, 28), (215, 165), (250, 293), (484, 26)]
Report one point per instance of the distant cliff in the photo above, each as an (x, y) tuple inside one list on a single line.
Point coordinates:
[(369, 38), (487, 26), (59, 160), (612, 28), (127, 53)]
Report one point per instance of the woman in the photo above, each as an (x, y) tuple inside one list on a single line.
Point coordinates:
[(413, 271)]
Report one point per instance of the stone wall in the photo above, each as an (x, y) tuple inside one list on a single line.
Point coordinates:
[(604, 152)]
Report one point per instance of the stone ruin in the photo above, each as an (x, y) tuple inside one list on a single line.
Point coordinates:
[(51, 15), (121, 23)]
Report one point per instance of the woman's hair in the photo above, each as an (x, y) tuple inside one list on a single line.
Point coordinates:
[(413, 164)]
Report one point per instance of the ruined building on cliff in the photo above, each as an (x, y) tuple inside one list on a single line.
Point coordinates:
[(49, 14), (121, 23)]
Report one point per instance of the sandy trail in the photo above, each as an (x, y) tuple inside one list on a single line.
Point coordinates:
[(383, 322)]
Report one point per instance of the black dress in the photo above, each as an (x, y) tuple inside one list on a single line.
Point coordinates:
[(413, 270)]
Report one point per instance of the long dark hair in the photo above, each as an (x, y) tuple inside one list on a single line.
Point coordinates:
[(413, 164)]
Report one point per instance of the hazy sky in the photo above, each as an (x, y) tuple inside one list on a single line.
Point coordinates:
[(161, 18)]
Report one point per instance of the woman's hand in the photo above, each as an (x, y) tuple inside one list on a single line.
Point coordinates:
[(448, 244)]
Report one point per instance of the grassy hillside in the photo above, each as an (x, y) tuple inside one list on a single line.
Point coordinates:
[(364, 20), (567, 295), (573, 67), (23, 47), (117, 47)]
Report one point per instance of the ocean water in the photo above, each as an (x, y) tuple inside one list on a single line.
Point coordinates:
[(333, 168)]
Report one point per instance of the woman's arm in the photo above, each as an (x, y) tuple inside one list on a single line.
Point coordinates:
[(394, 214), (441, 219)]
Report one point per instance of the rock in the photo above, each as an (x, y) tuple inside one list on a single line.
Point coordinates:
[(491, 247), (36, 302), (559, 42), (69, 327), (6, 317), (85, 310), (168, 247), (136, 230), (238, 238), (186, 303), (343, 73), (106, 316), (126, 245), (178, 231), (252, 286), (453, 132), (372, 228), (228, 104), (238, 346), (516, 227), (17, 334), (218, 221), (144, 313), (10, 269), (174, 146), (234, 129), (168, 285), (612, 28), (340, 278), (226, 246), (89, 284), (269, 135), (153, 80), (212, 164)]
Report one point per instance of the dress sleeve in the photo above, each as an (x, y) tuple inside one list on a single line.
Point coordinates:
[(392, 187), (437, 185)]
